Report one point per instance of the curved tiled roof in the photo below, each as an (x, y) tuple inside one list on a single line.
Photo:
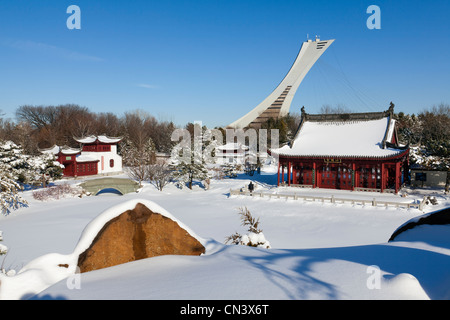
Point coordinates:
[(101, 138)]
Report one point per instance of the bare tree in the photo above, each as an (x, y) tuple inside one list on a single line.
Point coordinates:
[(107, 123), (137, 160), (37, 116), (56, 124), (138, 126), (159, 175)]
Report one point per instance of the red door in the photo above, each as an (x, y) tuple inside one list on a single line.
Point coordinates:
[(344, 178), (69, 169), (327, 177)]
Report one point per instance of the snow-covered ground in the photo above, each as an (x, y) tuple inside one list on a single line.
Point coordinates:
[(318, 250)]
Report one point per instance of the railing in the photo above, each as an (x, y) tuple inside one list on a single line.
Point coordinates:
[(294, 196)]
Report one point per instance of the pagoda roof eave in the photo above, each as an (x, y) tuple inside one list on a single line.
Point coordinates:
[(98, 139), (394, 156)]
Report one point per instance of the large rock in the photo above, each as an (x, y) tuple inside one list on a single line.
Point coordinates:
[(136, 234)]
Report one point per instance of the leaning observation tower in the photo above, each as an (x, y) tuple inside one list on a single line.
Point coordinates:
[(278, 103)]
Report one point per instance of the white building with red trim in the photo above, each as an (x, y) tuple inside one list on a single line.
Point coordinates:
[(232, 153), (97, 155)]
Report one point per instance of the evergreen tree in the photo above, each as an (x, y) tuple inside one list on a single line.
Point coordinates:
[(43, 169), (187, 172), (9, 192), (26, 169), (286, 126), (12, 169), (429, 137), (13, 160), (188, 161)]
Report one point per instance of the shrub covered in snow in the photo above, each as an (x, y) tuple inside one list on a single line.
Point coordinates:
[(57, 192), (3, 248), (230, 170), (3, 251), (254, 236)]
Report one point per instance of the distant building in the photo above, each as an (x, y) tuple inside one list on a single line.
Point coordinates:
[(356, 151), (429, 178), (98, 155), (231, 153)]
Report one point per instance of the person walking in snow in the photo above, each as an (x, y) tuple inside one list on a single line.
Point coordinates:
[(251, 187)]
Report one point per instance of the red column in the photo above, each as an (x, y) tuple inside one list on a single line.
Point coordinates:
[(293, 174), (354, 175), (383, 178), (278, 176), (397, 177), (289, 174), (314, 175)]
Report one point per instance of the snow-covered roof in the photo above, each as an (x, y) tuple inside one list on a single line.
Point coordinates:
[(101, 138), (67, 150), (51, 150), (343, 137), (57, 149), (85, 158)]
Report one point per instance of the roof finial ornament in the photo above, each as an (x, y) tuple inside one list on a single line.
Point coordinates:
[(391, 108)]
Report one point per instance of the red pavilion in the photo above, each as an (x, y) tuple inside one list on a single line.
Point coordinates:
[(356, 151)]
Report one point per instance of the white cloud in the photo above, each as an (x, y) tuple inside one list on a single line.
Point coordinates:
[(147, 86), (48, 49)]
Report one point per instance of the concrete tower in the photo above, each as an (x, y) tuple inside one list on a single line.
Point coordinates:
[(278, 103)]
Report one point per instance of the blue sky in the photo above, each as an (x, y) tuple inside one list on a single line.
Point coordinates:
[(213, 61)]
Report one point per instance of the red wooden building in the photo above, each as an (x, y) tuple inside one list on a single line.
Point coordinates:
[(357, 151), (98, 155), (75, 163)]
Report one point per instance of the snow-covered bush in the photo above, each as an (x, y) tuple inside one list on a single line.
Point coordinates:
[(58, 192), (3, 251), (254, 236), (3, 248), (230, 170), (216, 173)]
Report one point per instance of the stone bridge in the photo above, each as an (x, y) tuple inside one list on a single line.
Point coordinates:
[(123, 186)]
